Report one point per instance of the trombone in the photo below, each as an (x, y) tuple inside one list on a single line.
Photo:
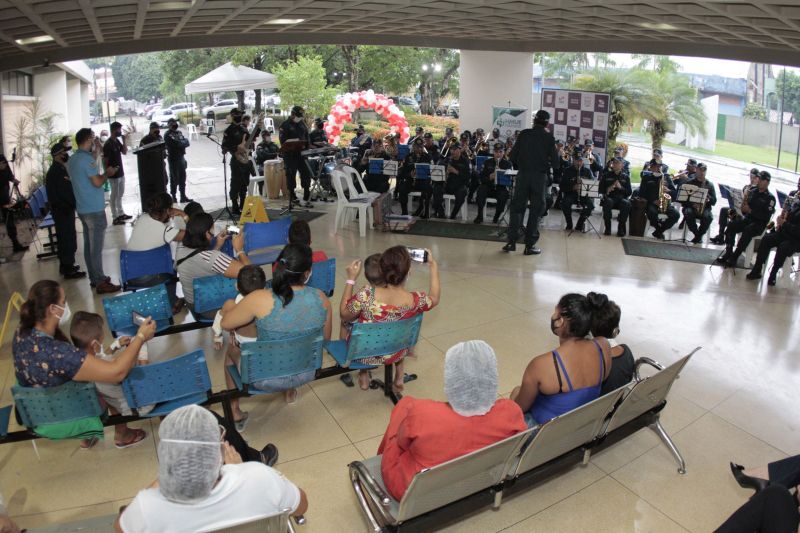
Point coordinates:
[(447, 144)]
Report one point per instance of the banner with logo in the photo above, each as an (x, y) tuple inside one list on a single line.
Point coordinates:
[(508, 120), (579, 114)]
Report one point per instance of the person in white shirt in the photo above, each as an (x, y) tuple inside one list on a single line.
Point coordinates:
[(156, 228), (203, 484)]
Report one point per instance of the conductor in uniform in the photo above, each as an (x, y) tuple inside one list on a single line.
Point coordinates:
[(533, 155)]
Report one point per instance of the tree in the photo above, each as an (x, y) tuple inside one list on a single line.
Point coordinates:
[(562, 64), (303, 83), (436, 83), (658, 63), (670, 98), (756, 111), (138, 77), (791, 97)]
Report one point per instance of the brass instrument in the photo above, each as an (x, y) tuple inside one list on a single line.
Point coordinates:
[(390, 145), (787, 205), (663, 198), (446, 148)]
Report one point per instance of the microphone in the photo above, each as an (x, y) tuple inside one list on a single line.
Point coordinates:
[(14, 154)]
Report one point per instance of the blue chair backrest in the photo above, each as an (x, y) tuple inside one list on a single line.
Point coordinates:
[(211, 292), (41, 198), (5, 416), (152, 302), (280, 358), (375, 339), (725, 191), (36, 207), (259, 235), (323, 276), (71, 401), (782, 196), (169, 384), (134, 265), (402, 151), (44, 193)]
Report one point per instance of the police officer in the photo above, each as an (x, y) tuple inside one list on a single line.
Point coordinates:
[(240, 174), (176, 152), (571, 192), (7, 181), (725, 212), (495, 137), (152, 172), (318, 138), (616, 189), (265, 151), (689, 210), (406, 182), (376, 182), (448, 134), (295, 128), (591, 159), (757, 211), (62, 205), (684, 176), (431, 148), (457, 171), (533, 155), (418, 133), (488, 184), (786, 241), (649, 188), (362, 142), (658, 157)]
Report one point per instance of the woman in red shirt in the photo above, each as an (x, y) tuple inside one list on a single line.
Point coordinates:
[(425, 433)]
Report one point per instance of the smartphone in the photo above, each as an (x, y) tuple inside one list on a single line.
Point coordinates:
[(420, 255), (138, 319), (233, 230)]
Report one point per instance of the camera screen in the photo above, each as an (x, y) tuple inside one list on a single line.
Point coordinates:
[(418, 254), (233, 230)]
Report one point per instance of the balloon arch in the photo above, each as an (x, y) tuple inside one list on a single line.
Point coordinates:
[(342, 112)]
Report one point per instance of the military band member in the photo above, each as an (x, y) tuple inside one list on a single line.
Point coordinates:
[(457, 171), (690, 211), (616, 190), (591, 159), (448, 134), (494, 137), (571, 192), (684, 176), (785, 239), (488, 184), (431, 148), (406, 182), (649, 190), (376, 182), (658, 155), (480, 136), (420, 131), (725, 212), (317, 137), (362, 142), (757, 210)]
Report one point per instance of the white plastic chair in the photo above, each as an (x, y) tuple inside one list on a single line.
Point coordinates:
[(362, 206), (191, 129), (353, 176)]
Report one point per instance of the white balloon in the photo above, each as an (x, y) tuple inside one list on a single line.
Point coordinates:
[(336, 139)]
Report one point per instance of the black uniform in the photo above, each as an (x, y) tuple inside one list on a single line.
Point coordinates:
[(318, 138), (176, 152), (725, 213), (240, 172), (762, 206), (363, 143), (570, 197), (265, 151), (293, 162), (616, 199), (152, 173), (406, 183), (455, 184), (61, 198), (533, 155), (6, 182), (649, 191), (376, 182), (785, 240), (488, 188), (706, 216)]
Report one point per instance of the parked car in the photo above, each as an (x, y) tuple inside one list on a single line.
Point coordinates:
[(150, 112), (184, 106), (454, 109), (406, 101), (272, 100), (163, 115), (220, 107)]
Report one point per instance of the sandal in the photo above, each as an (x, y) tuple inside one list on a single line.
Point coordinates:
[(362, 384), (242, 422), (291, 395), (88, 444), (135, 436)]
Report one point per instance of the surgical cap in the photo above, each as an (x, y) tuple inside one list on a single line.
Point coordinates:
[(470, 378), (189, 454)]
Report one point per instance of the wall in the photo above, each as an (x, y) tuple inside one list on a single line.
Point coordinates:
[(493, 78), (50, 87), (74, 115), (707, 141), (760, 133)]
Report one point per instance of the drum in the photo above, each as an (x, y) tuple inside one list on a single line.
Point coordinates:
[(275, 176)]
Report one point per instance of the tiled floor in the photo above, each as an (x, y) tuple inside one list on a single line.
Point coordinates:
[(735, 401)]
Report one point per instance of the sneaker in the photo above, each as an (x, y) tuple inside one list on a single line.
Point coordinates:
[(123, 216), (532, 250), (75, 274), (241, 424), (106, 287)]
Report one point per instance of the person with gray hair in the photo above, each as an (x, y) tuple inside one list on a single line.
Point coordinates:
[(425, 433), (203, 483)]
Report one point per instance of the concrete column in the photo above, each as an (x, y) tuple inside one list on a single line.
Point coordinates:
[(84, 105), (493, 79), (51, 89), (74, 107)]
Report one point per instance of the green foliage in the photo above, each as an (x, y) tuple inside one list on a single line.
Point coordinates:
[(628, 97), (303, 83), (187, 117), (756, 111), (562, 64), (179, 67), (138, 77), (391, 70), (792, 95), (33, 134), (656, 63)]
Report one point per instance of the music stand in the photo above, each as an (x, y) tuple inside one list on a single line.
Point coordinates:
[(690, 194), (227, 208), (589, 189), (507, 178)]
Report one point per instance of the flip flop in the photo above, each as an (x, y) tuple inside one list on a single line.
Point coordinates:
[(88, 444), (242, 422), (134, 437)]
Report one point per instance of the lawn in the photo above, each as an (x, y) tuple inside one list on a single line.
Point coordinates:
[(755, 155)]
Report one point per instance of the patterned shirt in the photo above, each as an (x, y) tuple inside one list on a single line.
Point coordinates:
[(42, 361)]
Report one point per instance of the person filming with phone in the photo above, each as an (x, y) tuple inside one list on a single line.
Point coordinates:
[(389, 301)]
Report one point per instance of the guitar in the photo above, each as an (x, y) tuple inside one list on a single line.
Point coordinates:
[(248, 141)]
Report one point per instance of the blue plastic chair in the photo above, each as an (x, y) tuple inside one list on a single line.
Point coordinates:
[(374, 339), (276, 359), (260, 235), (725, 191), (73, 400), (782, 196), (5, 416), (323, 276), (168, 385), (152, 302), (210, 294), (133, 265)]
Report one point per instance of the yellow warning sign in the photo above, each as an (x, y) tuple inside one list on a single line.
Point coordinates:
[(253, 210)]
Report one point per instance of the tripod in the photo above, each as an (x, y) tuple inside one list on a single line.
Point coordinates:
[(227, 208)]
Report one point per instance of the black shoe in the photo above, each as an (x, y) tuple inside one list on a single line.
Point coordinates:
[(185, 200), (496, 220), (723, 258), (478, 220), (747, 482), (568, 227), (731, 262), (452, 217), (754, 274), (119, 221), (20, 248), (607, 231), (510, 247), (719, 239), (697, 239), (125, 217), (621, 232), (532, 250), (76, 274), (174, 198), (658, 235), (269, 454), (772, 279)]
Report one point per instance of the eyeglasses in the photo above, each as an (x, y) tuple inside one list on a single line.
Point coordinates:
[(221, 433)]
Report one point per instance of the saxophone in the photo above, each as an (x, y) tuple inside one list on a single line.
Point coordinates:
[(663, 198)]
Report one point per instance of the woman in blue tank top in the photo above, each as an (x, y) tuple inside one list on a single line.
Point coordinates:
[(571, 375)]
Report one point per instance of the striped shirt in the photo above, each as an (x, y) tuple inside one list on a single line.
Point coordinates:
[(203, 264)]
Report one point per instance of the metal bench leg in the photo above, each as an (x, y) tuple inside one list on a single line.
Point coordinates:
[(498, 499), (587, 454), (661, 432)]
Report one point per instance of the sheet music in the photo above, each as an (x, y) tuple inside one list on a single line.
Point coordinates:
[(590, 189), (692, 194), (736, 198), (437, 173)]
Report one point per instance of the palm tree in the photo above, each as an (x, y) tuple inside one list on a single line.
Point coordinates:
[(670, 98), (626, 94)]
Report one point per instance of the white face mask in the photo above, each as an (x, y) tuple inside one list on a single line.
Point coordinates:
[(657, 174), (297, 119), (307, 278), (104, 138), (65, 314), (100, 351)]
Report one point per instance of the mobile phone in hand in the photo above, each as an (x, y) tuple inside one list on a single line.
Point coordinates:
[(233, 230), (138, 319), (420, 255)]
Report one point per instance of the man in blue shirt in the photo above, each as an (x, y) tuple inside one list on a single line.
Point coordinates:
[(87, 184)]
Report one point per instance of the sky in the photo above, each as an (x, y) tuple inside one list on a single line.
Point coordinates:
[(704, 65)]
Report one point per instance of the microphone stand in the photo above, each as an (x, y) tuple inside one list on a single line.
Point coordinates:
[(227, 208)]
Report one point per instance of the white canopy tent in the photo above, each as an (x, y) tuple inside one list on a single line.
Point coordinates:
[(231, 78)]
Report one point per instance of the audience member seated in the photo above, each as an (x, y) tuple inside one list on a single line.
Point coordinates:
[(605, 323), (196, 258), (86, 332), (288, 309), (44, 358), (250, 278), (202, 482), (388, 302), (571, 375), (300, 233), (6, 524), (425, 433), (374, 276)]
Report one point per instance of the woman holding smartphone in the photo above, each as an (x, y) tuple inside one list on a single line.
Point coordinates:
[(388, 301)]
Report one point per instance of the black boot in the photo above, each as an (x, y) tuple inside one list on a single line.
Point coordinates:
[(581, 225), (755, 272), (622, 230), (607, 224)]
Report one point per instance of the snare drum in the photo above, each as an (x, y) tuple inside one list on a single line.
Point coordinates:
[(275, 176)]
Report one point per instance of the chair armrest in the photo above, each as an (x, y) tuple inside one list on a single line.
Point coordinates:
[(645, 361), (364, 475), (235, 376)]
